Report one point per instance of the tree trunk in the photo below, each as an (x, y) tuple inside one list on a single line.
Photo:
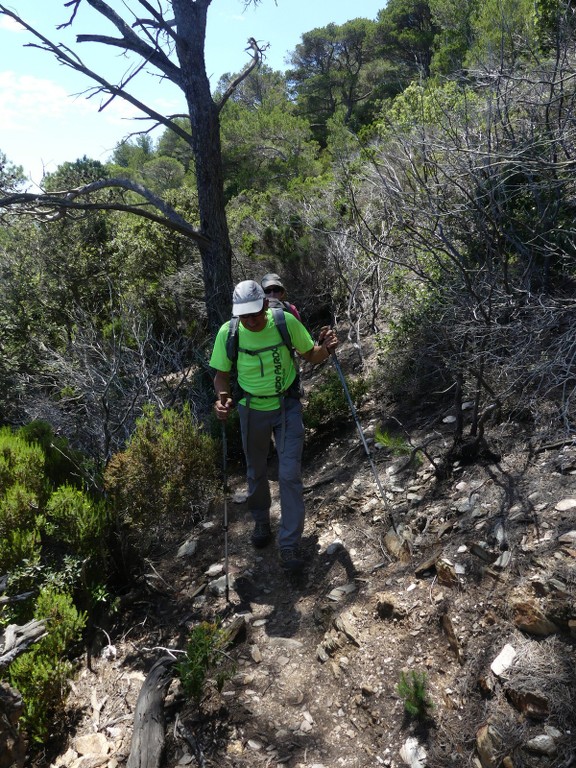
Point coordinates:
[(205, 122)]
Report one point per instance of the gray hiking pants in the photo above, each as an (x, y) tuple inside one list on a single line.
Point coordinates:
[(257, 428)]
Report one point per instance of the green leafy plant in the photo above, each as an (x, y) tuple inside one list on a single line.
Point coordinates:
[(76, 520), (61, 463), (18, 509), (396, 444), (167, 467), (20, 463), (41, 674), (413, 690), (22, 489), (19, 546), (204, 654)]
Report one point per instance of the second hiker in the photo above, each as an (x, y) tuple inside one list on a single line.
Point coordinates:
[(268, 378), (276, 293)]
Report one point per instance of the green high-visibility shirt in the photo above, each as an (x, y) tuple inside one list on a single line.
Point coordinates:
[(268, 372)]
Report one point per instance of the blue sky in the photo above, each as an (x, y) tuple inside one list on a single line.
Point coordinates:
[(45, 117)]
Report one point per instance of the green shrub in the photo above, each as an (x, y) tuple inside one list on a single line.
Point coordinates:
[(51, 547), (76, 520), (328, 402), (61, 463), (18, 509), (411, 364), (168, 469), (21, 463), (413, 690), (70, 574), (41, 674), (19, 546), (204, 653), (22, 491)]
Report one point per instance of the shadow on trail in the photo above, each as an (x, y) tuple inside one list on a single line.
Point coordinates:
[(267, 584)]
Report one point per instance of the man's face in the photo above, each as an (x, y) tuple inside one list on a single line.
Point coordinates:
[(257, 320), (275, 291)]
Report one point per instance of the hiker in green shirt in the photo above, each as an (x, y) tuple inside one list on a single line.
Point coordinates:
[(268, 378)]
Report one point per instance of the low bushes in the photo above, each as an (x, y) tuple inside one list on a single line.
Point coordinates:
[(162, 479), (41, 674), (58, 542)]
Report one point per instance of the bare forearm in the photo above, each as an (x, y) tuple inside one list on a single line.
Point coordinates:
[(328, 342), (223, 402), (317, 354), (222, 382)]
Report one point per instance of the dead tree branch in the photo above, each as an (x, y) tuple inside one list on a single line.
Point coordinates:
[(55, 205)]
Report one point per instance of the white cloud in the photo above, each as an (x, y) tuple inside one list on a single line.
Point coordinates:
[(10, 25), (42, 124), (26, 99)]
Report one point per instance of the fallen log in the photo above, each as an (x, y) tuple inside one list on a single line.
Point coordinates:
[(16, 639), (148, 735)]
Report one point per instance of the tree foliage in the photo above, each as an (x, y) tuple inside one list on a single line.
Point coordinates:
[(11, 176), (170, 41), (265, 144), (405, 34), (454, 36), (503, 31), (330, 71)]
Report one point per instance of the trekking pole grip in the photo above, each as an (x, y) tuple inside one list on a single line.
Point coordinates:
[(223, 397)]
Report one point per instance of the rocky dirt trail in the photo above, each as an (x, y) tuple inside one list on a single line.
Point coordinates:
[(476, 589)]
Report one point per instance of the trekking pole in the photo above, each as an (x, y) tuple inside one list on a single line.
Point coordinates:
[(361, 433), (223, 399)]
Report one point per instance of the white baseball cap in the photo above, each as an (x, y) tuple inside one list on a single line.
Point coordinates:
[(248, 298)]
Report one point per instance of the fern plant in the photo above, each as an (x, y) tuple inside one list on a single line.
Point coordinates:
[(204, 653), (413, 690), (396, 444)]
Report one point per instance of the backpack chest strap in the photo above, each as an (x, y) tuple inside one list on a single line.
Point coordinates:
[(258, 352)]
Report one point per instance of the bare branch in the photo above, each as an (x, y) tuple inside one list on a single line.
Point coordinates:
[(257, 52), (70, 59), (131, 42), (173, 48), (54, 205)]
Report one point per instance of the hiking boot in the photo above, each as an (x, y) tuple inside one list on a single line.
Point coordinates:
[(290, 559), (261, 535)]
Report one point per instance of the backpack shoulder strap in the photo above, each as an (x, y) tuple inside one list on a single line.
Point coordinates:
[(280, 322), (285, 305), (232, 339)]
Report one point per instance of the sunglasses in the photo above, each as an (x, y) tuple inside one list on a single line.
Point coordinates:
[(273, 289), (251, 315)]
